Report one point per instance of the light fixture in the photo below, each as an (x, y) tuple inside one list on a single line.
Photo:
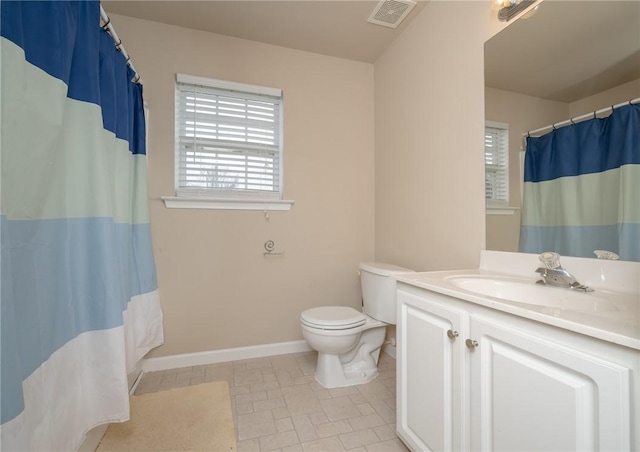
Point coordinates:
[(498, 4), (510, 8)]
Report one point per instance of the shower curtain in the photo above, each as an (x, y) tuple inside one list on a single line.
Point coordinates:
[(79, 294), (582, 188)]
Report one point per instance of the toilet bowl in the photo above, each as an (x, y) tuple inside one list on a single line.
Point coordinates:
[(348, 342), (348, 351)]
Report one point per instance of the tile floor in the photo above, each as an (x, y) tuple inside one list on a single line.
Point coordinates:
[(278, 405)]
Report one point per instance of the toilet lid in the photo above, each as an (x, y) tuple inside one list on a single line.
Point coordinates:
[(333, 318)]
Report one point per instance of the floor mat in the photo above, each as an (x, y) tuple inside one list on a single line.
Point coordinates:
[(194, 418)]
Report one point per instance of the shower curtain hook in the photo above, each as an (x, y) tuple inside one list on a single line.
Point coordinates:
[(105, 27)]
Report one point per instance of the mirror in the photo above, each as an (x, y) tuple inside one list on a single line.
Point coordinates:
[(559, 61)]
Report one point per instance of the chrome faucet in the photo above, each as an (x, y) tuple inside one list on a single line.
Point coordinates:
[(554, 275)]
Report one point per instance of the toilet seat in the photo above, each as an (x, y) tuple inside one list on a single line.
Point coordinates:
[(332, 318)]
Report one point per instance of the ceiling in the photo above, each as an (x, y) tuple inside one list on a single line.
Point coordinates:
[(567, 50), (335, 28)]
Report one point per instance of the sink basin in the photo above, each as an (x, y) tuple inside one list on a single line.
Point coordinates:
[(526, 291)]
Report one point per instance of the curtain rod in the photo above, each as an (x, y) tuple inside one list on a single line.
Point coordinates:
[(109, 29), (582, 117)]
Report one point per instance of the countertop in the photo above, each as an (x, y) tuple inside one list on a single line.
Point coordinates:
[(619, 323)]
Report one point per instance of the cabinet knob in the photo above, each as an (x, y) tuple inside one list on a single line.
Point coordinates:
[(452, 334), (471, 344)]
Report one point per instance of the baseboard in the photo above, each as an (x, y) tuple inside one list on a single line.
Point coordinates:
[(93, 438), (225, 355), (204, 358), (134, 376), (390, 350)]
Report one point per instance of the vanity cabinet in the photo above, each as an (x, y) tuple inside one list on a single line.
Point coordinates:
[(473, 378), (432, 374)]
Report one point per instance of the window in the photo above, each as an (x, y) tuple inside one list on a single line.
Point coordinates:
[(496, 163), (228, 141)]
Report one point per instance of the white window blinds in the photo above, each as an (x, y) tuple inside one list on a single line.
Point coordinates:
[(228, 139), (496, 162)]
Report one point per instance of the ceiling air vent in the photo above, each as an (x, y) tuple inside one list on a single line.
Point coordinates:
[(389, 13)]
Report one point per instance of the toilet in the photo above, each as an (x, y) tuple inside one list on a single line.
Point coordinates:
[(348, 341)]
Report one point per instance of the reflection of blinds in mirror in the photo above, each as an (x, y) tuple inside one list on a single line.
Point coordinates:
[(496, 163)]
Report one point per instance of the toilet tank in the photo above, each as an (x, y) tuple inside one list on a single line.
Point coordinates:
[(379, 290)]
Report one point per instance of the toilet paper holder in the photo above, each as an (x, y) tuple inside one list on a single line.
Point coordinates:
[(270, 247)]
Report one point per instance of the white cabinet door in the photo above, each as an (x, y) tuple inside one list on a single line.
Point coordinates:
[(431, 375), (530, 393)]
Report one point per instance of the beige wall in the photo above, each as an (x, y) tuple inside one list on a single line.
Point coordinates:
[(522, 113), (217, 290), (430, 210), (613, 96)]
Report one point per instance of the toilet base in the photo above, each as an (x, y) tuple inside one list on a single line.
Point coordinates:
[(361, 364), (328, 377)]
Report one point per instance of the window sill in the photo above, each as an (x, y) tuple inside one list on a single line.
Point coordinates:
[(502, 210), (173, 202)]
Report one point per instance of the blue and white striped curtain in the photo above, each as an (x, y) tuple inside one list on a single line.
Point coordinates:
[(79, 293), (582, 188)]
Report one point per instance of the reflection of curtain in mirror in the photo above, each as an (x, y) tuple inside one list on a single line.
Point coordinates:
[(582, 188)]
